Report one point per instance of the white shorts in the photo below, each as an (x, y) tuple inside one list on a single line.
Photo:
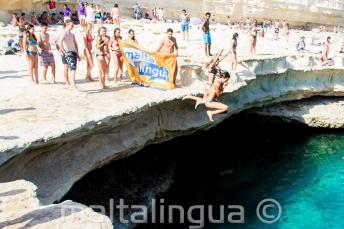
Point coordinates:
[(90, 19), (82, 17)]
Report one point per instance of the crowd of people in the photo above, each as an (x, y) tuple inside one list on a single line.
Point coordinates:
[(89, 16)]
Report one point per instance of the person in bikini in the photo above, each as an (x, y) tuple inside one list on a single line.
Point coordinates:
[(69, 47), (117, 55), (30, 47), (46, 56), (233, 52), (88, 40), (131, 38), (116, 16), (168, 45), (211, 96), (277, 29), (103, 41), (253, 31)]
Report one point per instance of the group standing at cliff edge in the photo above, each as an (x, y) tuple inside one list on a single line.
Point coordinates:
[(38, 49)]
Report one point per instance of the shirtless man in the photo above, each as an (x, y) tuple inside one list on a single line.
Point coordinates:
[(46, 56), (324, 59), (169, 45), (69, 48), (206, 35), (210, 97), (115, 16)]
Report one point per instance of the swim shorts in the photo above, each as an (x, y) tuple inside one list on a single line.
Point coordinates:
[(185, 27), (47, 59), (72, 60), (63, 58), (207, 38)]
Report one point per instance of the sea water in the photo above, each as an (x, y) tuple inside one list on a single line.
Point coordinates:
[(242, 161)]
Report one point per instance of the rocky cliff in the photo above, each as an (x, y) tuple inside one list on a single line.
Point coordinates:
[(55, 158), (20, 208)]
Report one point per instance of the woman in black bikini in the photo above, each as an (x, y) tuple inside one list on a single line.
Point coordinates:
[(30, 46), (253, 30), (102, 49)]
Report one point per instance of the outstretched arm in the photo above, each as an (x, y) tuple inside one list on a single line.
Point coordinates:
[(160, 46)]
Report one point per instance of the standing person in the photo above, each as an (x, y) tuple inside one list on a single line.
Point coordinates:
[(210, 97), (69, 47), (82, 14), (15, 20), (253, 31), (67, 13), (233, 52), (131, 38), (21, 30), (277, 25), (137, 11), (46, 56), (185, 20), (89, 14), (51, 5), (102, 52), (98, 15), (287, 32), (206, 35), (117, 55), (116, 16), (169, 45), (63, 57), (30, 46), (325, 53), (229, 22), (88, 40)]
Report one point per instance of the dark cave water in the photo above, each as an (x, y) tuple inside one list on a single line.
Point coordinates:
[(242, 161)]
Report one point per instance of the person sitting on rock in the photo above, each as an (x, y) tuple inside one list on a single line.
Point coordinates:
[(210, 97), (301, 45)]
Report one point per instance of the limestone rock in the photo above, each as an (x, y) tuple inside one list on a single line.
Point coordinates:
[(19, 208), (314, 112)]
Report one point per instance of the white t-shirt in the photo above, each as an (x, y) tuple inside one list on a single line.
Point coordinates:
[(90, 15)]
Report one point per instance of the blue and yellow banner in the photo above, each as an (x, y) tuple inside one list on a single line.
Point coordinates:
[(149, 68)]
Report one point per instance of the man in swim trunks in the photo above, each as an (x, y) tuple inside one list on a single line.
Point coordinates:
[(46, 56), (210, 97), (206, 34), (69, 48), (185, 20), (169, 45), (324, 58)]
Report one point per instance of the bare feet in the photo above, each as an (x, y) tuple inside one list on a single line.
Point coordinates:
[(89, 79), (210, 115)]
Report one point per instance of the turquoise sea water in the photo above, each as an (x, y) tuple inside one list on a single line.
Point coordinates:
[(241, 161), (308, 183)]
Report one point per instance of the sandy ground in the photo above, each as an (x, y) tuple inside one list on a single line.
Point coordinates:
[(30, 112)]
